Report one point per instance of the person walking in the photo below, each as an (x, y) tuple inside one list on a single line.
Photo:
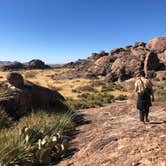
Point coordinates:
[(145, 95)]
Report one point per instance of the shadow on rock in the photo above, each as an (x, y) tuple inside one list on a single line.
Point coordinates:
[(159, 122)]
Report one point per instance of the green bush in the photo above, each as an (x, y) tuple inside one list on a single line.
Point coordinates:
[(112, 87), (160, 94), (121, 97), (97, 83), (87, 100), (5, 120), (83, 89), (39, 139)]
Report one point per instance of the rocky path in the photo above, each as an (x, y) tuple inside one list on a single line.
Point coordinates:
[(115, 137)]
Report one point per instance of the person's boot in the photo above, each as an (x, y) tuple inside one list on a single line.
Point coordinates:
[(146, 118)]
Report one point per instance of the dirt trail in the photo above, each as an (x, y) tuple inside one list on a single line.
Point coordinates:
[(116, 138)]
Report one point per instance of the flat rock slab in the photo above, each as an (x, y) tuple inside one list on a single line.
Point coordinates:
[(115, 137)]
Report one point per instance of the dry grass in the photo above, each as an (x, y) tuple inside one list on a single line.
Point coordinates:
[(65, 87), (43, 78)]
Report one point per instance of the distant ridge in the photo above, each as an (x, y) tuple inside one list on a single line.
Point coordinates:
[(5, 62)]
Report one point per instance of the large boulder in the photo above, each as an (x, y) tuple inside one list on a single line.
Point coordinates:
[(96, 56), (152, 63), (162, 57), (125, 67), (15, 79), (100, 67), (37, 64), (157, 45), (21, 97)]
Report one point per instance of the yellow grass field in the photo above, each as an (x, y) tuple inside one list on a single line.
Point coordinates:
[(42, 77), (65, 87)]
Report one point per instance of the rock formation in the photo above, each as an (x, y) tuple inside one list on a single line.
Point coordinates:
[(37, 64), (33, 64), (122, 63), (13, 66), (21, 97)]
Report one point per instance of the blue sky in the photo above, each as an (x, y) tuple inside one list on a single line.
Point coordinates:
[(59, 31)]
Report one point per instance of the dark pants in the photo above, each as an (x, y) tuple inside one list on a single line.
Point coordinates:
[(144, 114)]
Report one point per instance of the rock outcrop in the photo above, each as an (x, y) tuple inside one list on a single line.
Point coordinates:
[(115, 137), (13, 66), (122, 63), (33, 64), (157, 45), (21, 97), (37, 64)]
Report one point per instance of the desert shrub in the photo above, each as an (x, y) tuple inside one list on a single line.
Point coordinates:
[(97, 83), (160, 94), (121, 97), (88, 100), (83, 89), (112, 87), (5, 120), (39, 139), (119, 87), (76, 90), (30, 74)]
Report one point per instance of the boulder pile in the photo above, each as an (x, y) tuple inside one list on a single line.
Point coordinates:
[(123, 63)]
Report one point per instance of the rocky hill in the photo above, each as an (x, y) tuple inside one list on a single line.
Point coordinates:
[(33, 64), (122, 63), (5, 63)]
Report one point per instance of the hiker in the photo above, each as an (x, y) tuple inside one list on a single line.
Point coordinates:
[(144, 90)]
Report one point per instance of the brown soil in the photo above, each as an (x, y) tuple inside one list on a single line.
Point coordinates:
[(115, 137)]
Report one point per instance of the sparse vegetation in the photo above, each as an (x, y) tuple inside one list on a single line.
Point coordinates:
[(36, 140), (96, 83), (160, 94), (86, 88), (30, 74), (91, 100), (121, 97), (5, 120), (112, 87)]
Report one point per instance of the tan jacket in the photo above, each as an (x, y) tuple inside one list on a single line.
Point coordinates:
[(140, 85)]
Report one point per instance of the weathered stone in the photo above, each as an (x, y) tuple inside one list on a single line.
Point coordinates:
[(15, 79), (152, 62), (100, 66), (162, 57), (161, 75), (138, 44), (21, 97), (37, 64), (122, 63), (125, 67), (157, 45)]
